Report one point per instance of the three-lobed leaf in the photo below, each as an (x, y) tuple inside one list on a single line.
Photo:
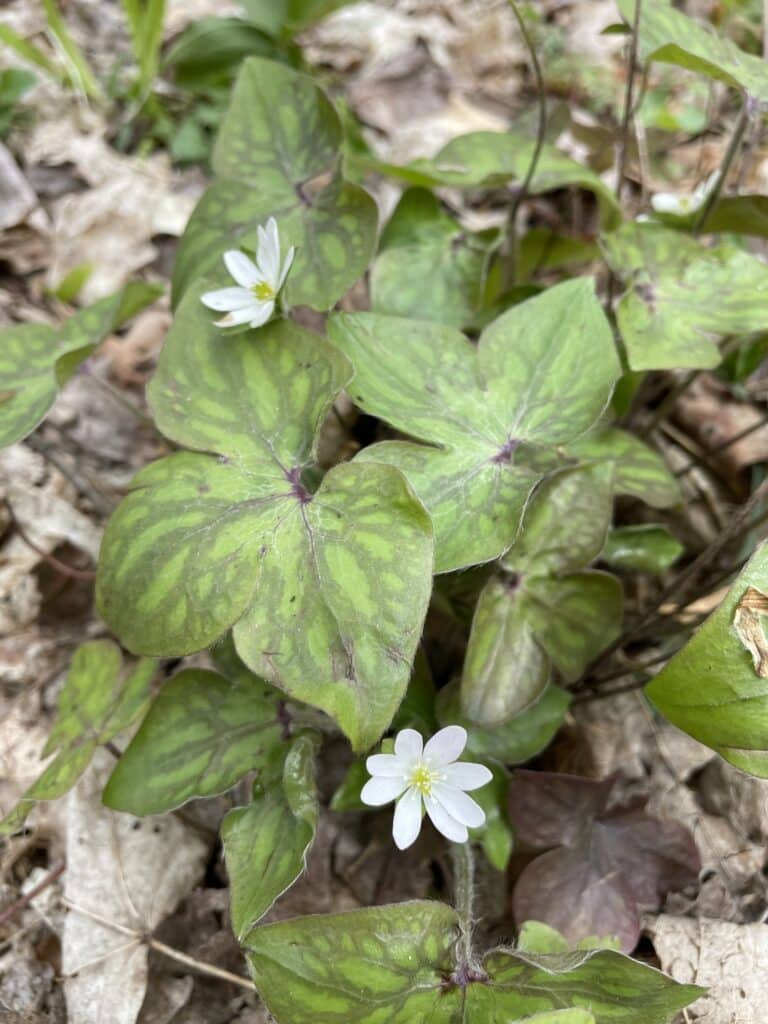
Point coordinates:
[(36, 360), (325, 591), (491, 417), (277, 155)]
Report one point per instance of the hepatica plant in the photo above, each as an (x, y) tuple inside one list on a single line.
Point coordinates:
[(479, 488)]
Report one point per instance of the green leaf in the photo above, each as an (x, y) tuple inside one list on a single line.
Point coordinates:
[(97, 702), (145, 19), (395, 965), (490, 159), (537, 937), (646, 548), (682, 296), (518, 739), (290, 16), (36, 360), (669, 36), (737, 215), (540, 376), (326, 591), (210, 51), (266, 843), (428, 266), (201, 735), (539, 611), (496, 835), (711, 688), (636, 469), (277, 154)]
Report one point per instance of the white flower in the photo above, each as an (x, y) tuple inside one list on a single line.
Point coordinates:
[(672, 202), (431, 774), (253, 302)]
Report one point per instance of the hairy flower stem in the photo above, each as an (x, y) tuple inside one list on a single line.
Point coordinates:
[(463, 859), (747, 111)]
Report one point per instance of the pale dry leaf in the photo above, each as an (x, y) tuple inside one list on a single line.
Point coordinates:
[(129, 872), (748, 621), (17, 198), (731, 960)]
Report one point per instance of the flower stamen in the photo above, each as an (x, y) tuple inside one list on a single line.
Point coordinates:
[(263, 291), (423, 778)]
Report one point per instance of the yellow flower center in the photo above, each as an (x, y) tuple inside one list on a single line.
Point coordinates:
[(263, 291), (423, 778)]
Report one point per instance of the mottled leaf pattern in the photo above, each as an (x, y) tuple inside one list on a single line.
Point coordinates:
[(672, 37), (326, 591), (636, 469), (202, 734), (99, 700), (277, 155), (493, 415), (266, 843), (644, 548), (710, 688), (682, 296), (36, 360)]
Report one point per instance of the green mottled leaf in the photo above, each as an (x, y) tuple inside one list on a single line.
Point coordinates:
[(490, 159), (395, 965), (645, 548), (540, 376), (36, 360), (712, 690), (428, 266), (637, 470), (518, 739), (537, 937), (669, 36), (201, 735), (538, 611), (277, 155), (266, 843), (682, 296), (326, 591), (99, 700)]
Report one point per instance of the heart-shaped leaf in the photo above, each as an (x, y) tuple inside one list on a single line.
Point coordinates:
[(202, 734), (601, 864), (682, 296), (36, 360), (538, 610), (99, 700), (277, 155), (711, 688), (326, 591), (669, 36), (395, 965), (541, 376), (645, 548), (266, 843), (428, 265)]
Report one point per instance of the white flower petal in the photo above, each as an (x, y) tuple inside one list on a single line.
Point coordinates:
[(670, 202), (265, 311), (244, 271), (408, 744), (385, 765), (227, 299), (286, 266), (444, 823), (446, 745), (460, 806), (466, 775), (269, 252), (406, 824), (240, 316), (379, 791)]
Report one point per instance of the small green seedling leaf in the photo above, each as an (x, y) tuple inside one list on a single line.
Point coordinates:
[(210, 50), (428, 266), (266, 843), (669, 36), (543, 608), (541, 376), (202, 734), (98, 701), (277, 155), (682, 297), (714, 688), (288, 17), (395, 965), (327, 589), (645, 548), (36, 360), (636, 469)]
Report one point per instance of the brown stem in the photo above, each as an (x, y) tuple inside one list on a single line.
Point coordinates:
[(26, 899), (55, 564)]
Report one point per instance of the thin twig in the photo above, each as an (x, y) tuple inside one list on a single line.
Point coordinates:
[(733, 147), (27, 898), (508, 270), (58, 566), (200, 966)]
